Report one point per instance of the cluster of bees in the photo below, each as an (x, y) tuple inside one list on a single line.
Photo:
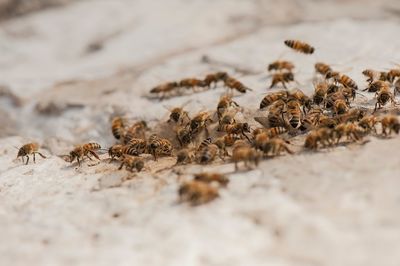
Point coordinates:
[(325, 118)]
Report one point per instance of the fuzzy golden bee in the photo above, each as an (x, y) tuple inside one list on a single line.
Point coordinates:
[(272, 97), (237, 129), (322, 136), (224, 142), (199, 122), (283, 78), (300, 46), (157, 146), (275, 146), (179, 115), (373, 75), (115, 151), (224, 103), (215, 78), (246, 154), (320, 92), (207, 154), (29, 149), (368, 123), (197, 193), (131, 162), (281, 65), (352, 131), (393, 74), (81, 151), (389, 124), (118, 127), (221, 179), (235, 84), (322, 68), (383, 96), (376, 86), (340, 107), (293, 114)]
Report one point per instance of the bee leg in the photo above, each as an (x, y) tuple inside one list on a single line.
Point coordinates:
[(23, 161), (34, 159), (236, 166), (90, 158), (27, 159), (120, 167), (95, 155), (284, 85), (79, 161), (41, 155)]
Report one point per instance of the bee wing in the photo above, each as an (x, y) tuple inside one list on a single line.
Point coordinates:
[(262, 121)]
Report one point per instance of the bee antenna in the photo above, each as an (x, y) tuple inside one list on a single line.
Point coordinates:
[(16, 147)]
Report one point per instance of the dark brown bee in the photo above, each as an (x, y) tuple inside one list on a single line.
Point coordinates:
[(200, 122), (192, 83), (281, 65), (300, 46), (376, 86), (237, 129), (164, 89), (273, 97), (322, 68), (84, 150), (224, 103), (184, 156), (197, 193), (207, 154), (383, 96), (390, 122), (275, 146), (332, 88), (246, 154), (131, 163), (178, 115), (320, 92), (158, 146), (282, 78), (235, 84), (393, 74), (184, 135), (221, 179), (137, 130), (118, 127), (28, 149), (215, 78)]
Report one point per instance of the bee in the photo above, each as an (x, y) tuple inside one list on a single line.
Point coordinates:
[(340, 106), (224, 103), (273, 97), (184, 156), (135, 147), (343, 79), (282, 78), (260, 139), (221, 179), (323, 136), (390, 122), (293, 113), (322, 68), (332, 88), (158, 146), (226, 119), (275, 146), (352, 131), (197, 193), (281, 65), (184, 135), (28, 149), (383, 96), (224, 142), (235, 84), (207, 154), (397, 87), (215, 78), (393, 74), (320, 92), (368, 123), (332, 98), (199, 122), (300, 46), (275, 115), (115, 151), (192, 83), (275, 131), (137, 130), (303, 99), (246, 154), (376, 86), (352, 115), (238, 129), (178, 115), (84, 150), (118, 127), (164, 89), (131, 163), (372, 75)]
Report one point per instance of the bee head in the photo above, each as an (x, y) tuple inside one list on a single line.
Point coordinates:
[(139, 165)]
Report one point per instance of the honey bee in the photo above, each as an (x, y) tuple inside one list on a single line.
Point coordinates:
[(275, 131), (224, 103), (323, 136), (164, 89), (28, 149), (293, 113), (300, 46), (207, 154), (376, 86), (215, 78), (352, 131), (205, 142), (200, 122), (226, 119), (372, 75), (260, 139), (391, 123), (383, 96), (184, 135), (283, 78), (332, 88), (393, 74), (221, 179), (237, 129), (368, 123), (343, 79), (246, 154), (115, 151), (192, 83), (275, 115), (322, 68), (197, 193), (397, 87), (351, 115), (137, 130), (332, 98), (178, 115), (84, 150), (118, 127), (281, 65), (184, 156), (320, 92), (131, 163), (135, 147), (273, 97), (275, 146), (340, 106), (235, 84), (303, 99), (158, 146), (224, 142)]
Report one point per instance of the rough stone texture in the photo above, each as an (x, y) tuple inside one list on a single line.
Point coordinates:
[(66, 71)]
